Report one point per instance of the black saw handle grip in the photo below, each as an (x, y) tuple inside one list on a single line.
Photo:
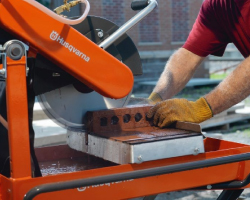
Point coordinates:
[(139, 4)]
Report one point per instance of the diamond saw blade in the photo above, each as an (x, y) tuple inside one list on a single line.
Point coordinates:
[(68, 107), (68, 104)]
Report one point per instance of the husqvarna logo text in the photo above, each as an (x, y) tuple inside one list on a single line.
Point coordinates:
[(81, 189), (56, 37)]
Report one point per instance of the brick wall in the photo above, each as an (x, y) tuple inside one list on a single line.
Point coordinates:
[(114, 10), (149, 28), (165, 29), (180, 20)]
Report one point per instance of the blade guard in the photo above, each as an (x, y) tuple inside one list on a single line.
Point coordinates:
[(67, 48)]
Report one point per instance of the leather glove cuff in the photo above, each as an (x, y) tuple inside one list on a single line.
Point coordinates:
[(155, 97), (203, 110)]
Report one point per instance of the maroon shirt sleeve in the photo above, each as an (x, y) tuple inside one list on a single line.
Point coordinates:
[(207, 36)]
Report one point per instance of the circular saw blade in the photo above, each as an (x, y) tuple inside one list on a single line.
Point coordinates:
[(67, 105)]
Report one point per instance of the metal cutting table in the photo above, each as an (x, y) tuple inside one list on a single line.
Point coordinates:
[(125, 135)]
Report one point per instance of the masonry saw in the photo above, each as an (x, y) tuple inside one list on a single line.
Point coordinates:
[(89, 62), (81, 70), (64, 98)]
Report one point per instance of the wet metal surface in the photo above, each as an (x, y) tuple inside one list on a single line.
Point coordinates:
[(61, 159), (145, 135), (72, 165), (62, 166)]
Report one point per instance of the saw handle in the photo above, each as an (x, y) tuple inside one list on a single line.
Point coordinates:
[(139, 4)]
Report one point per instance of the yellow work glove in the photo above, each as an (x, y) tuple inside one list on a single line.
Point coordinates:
[(166, 112), (155, 97)]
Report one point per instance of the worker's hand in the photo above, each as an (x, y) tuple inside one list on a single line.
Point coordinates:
[(166, 112), (154, 98)]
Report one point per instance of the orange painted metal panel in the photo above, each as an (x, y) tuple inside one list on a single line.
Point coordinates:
[(143, 186), (17, 109), (66, 47)]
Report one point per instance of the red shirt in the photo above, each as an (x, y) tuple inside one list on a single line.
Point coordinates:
[(220, 22)]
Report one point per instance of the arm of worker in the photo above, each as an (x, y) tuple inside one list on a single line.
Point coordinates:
[(178, 71), (232, 90), (206, 37), (229, 92)]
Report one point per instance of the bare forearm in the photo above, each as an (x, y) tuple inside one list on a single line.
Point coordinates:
[(232, 90), (178, 71)]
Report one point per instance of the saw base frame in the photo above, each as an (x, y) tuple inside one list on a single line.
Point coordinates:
[(124, 135), (223, 164)]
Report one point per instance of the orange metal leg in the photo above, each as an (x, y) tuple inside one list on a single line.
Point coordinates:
[(17, 109)]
